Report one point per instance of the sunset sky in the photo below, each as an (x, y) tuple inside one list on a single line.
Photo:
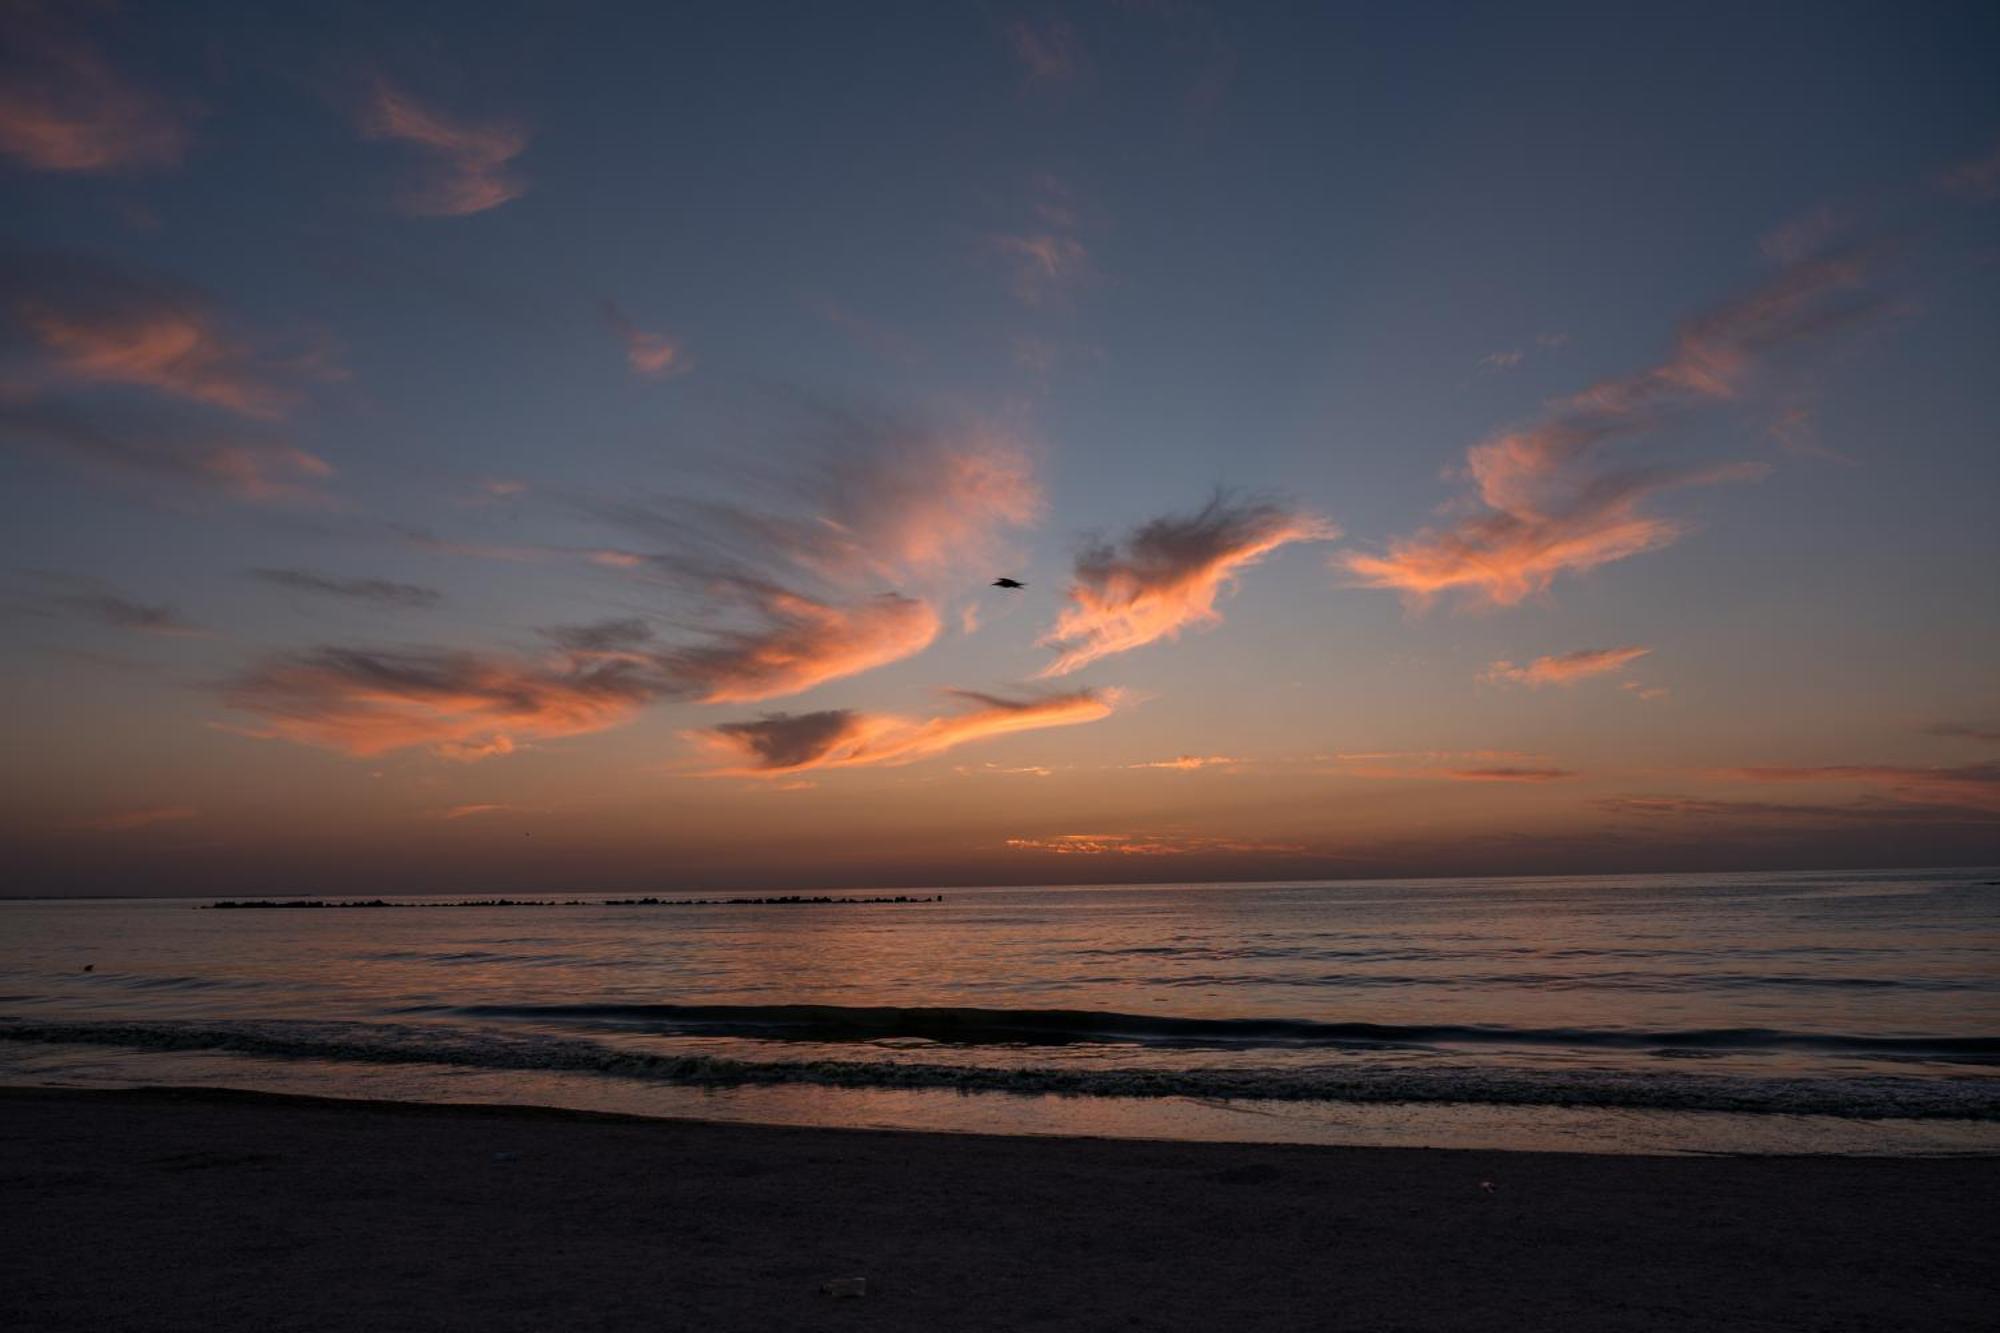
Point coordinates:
[(535, 447)]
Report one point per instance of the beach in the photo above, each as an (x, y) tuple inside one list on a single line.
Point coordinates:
[(165, 1209)]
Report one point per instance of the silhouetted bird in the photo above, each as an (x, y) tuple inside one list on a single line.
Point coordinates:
[(1008, 583)]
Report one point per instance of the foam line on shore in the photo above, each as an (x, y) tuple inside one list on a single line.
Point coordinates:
[(1864, 1097)]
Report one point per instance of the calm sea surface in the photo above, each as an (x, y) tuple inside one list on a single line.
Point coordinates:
[(1768, 1012)]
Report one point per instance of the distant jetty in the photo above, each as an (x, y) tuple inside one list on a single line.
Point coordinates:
[(788, 900)]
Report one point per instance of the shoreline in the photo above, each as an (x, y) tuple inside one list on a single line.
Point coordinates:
[(208, 1208), (230, 1095)]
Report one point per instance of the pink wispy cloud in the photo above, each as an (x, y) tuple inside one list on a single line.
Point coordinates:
[(1046, 265), (467, 165), (874, 500), (1167, 575), (248, 470), (775, 580), (1564, 668), (64, 108), (881, 503), (841, 738), (803, 643), (459, 705), (1549, 499), (92, 323), (652, 355), (1050, 53)]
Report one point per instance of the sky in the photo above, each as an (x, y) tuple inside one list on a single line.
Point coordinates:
[(566, 447)]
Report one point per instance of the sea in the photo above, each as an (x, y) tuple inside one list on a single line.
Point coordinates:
[(1811, 1012)]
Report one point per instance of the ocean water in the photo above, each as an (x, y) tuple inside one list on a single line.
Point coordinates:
[(1807, 1012)]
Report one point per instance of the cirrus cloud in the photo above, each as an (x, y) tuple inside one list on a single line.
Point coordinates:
[(94, 323), (460, 705), (803, 643), (653, 355), (384, 591), (783, 743), (1548, 499), (256, 471), (63, 107), (467, 164), (1564, 668), (1167, 575)]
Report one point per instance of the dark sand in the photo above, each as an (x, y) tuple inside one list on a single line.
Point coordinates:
[(197, 1210)]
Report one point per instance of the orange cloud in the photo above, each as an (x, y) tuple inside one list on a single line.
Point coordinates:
[(918, 505), (1187, 763), (804, 643), (1564, 668), (466, 706), (1503, 558), (873, 500), (176, 352), (95, 323), (63, 108), (1972, 785), (653, 355), (1548, 502), (878, 502), (1147, 844), (460, 705), (1167, 577), (785, 743), (468, 163)]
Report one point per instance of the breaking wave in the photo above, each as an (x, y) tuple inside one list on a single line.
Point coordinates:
[(1863, 1097), (975, 1027)]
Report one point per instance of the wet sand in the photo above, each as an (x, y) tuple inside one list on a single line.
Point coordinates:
[(164, 1210)]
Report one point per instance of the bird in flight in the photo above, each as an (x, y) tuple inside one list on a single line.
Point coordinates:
[(1008, 583)]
